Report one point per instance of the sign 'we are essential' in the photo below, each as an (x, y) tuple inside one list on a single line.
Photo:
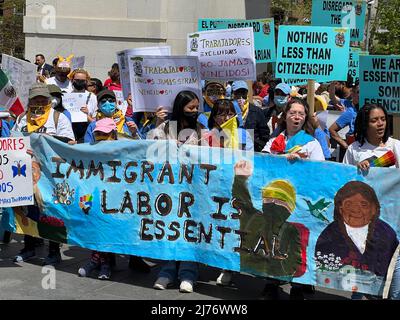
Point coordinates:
[(16, 188), (224, 54), (316, 53), (341, 13), (264, 34), (380, 81), (240, 211), (156, 81)]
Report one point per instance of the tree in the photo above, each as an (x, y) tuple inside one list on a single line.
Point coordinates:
[(385, 31), (12, 39)]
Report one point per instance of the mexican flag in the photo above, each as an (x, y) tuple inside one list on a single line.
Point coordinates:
[(8, 96)]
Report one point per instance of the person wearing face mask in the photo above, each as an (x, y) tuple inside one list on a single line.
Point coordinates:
[(41, 118), (184, 118), (80, 80), (56, 101), (107, 108), (281, 97), (61, 80), (250, 117)]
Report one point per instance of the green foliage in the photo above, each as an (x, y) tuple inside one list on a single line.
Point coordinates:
[(12, 38), (385, 34)]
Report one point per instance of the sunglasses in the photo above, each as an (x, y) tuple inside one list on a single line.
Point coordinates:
[(104, 100)]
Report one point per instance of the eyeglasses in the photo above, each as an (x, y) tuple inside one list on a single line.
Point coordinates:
[(215, 92), (299, 114), (37, 110)]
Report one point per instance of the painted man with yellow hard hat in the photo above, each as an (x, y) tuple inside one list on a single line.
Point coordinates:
[(271, 245)]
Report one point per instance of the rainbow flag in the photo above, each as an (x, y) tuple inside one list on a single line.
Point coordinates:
[(387, 160)]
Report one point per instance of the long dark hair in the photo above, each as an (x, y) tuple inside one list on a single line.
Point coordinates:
[(307, 126), (362, 123), (181, 100)]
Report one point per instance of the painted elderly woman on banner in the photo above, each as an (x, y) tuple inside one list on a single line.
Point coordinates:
[(355, 250)]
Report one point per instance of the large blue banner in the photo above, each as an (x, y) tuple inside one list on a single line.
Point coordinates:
[(308, 222)]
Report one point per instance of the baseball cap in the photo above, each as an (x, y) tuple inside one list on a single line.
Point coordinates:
[(105, 125), (39, 90), (285, 88), (54, 89), (236, 85), (105, 93)]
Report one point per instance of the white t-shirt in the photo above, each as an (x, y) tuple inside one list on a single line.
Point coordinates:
[(356, 153), (312, 149), (92, 104), (64, 127), (64, 86), (358, 236)]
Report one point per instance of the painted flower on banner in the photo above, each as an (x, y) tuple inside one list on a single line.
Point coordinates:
[(63, 194), (328, 262)]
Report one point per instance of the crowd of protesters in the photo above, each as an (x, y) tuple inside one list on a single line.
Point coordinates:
[(276, 113)]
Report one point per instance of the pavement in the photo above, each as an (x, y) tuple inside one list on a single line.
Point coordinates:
[(23, 281)]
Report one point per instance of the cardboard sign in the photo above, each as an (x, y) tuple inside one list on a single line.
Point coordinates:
[(73, 102), (121, 102), (264, 34), (123, 58), (155, 81), (315, 53), (341, 13), (380, 82), (354, 63), (224, 54), (22, 75), (16, 188)]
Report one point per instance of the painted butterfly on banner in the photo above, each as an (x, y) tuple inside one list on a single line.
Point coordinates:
[(19, 170)]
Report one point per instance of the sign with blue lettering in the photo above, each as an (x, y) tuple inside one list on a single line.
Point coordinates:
[(264, 34), (315, 53), (380, 82), (341, 13), (15, 173)]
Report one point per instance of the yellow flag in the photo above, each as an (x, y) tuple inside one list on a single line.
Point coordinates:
[(230, 129)]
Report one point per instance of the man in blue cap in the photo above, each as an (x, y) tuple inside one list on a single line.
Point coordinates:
[(250, 116)]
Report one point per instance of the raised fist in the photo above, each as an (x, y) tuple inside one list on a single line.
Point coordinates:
[(243, 168)]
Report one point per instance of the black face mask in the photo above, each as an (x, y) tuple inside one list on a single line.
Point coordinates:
[(79, 84), (191, 117)]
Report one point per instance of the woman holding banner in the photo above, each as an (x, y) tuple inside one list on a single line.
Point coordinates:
[(183, 128), (374, 148)]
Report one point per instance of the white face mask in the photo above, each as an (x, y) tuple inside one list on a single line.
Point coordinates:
[(55, 102)]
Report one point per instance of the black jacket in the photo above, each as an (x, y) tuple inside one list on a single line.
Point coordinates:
[(256, 120)]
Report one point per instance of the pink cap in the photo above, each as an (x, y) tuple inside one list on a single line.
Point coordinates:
[(105, 125)]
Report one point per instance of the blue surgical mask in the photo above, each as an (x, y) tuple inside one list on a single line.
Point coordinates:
[(107, 108), (281, 101)]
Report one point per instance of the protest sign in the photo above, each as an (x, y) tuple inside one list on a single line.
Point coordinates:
[(22, 75), (156, 80), (354, 63), (73, 102), (78, 63), (121, 102), (123, 58), (16, 187), (313, 53), (254, 213), (341, 13), (380, 82), (264, 34), (295, 82), (224, 54)]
